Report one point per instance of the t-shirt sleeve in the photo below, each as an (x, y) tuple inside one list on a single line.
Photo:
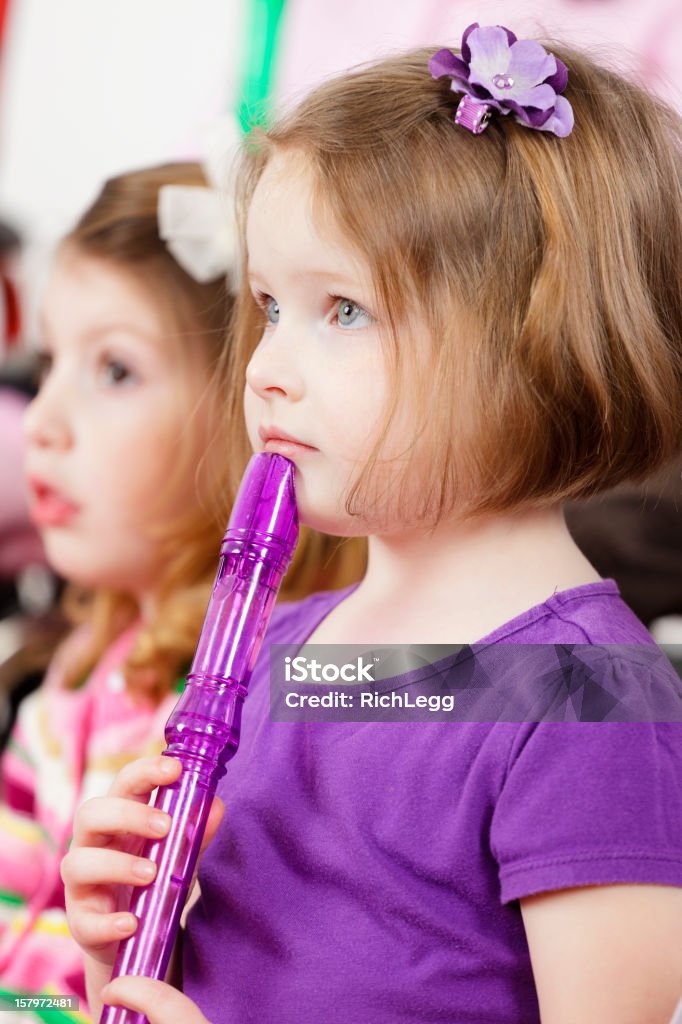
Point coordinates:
[(589, 803)]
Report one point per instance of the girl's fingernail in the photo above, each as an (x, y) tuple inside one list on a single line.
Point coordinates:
[(144, 869), (169, 766), (125, 923), (159, 822)]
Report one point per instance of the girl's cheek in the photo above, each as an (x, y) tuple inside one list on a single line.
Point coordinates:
[(251, 416)]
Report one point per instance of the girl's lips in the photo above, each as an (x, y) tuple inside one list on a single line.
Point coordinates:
[(277, 440), (49, 507), (286, 448)]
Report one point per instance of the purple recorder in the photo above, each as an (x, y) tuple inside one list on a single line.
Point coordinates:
[(203, 730)]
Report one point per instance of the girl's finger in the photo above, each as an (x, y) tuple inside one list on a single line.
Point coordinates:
[(100, 818), (137, 779), (161, 1003), (97, 931), (83, 868)]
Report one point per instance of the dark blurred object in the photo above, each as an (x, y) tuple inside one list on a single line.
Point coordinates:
[(20, 371), (32, 643), (10, 307), (20, 543), (31, 624), (10, 241), (634, 535)]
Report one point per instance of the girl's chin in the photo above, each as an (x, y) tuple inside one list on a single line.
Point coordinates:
[(338, 525), (87, 572)]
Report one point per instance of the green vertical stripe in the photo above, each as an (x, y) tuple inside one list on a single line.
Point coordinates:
[(263, 24)]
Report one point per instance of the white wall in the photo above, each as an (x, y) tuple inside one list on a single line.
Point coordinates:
[(93, 87), (89, 88), (324, 36)]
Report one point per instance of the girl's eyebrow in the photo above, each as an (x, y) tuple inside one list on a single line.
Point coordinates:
[(123, 327), (155, 339), (255, 278), (327, 275)]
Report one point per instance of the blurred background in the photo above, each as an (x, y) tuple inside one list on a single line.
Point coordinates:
[(91, 88)]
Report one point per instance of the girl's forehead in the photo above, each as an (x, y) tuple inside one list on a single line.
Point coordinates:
[(287, 219), (87, 297), (286, 181)]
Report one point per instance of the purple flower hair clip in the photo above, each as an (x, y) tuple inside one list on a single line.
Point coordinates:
[(499, 72)]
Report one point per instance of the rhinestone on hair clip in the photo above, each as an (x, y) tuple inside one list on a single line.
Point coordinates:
[(498, 72)]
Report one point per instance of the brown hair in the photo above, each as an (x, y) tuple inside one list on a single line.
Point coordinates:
[(547, 271), (121, 227)]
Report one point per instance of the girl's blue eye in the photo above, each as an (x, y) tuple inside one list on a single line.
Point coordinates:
[(115, 372), (349, 314), (272, 311)]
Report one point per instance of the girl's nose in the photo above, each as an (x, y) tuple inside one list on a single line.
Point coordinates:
[(273, 370), (45, 422)]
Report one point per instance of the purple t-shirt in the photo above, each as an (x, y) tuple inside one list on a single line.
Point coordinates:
[(371, 871)]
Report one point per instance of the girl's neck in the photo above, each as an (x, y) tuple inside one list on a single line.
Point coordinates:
[(474, 578), (517, 547)]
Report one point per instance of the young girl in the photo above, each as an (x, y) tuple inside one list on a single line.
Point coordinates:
[(462, 307), (121, 477)]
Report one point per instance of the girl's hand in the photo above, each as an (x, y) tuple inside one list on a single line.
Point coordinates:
[(104, 862), (161, 1003)]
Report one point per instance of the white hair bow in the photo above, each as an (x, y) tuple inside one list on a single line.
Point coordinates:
[(198, 223)]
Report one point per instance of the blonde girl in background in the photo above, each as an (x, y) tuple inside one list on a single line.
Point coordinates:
[(462, 306), (127, 470)]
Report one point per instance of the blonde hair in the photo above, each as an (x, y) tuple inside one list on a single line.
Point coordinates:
[(546, 269), (121, 227)]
